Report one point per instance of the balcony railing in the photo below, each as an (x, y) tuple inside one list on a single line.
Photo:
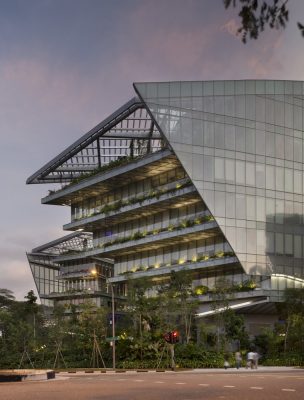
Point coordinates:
[(193, 225), (151, 194), (212, 261)]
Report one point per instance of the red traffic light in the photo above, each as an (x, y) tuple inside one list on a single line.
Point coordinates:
[(171, 337)]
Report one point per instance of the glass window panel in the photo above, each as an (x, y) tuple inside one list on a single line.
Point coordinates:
[(270, 242), (288, 115), (261, 242), (250, 140), (270, 177), (260, 108), (270, 144), (250, 174), (297, 246), (185, 88), (240, 172), (288, 180), (288, 245), (269, 111), (279, 211), (260, 175), (270, 210), (250, 204), (208, 134), (250, 107), (297, 150), (230, 167), (251, 241), (261, 212), (241, 240), (240, 206), (279, 145), (219, 88), (240, 138), (219, 200), (298, 118), (279, 246), (279, 113), (288, 148), (230, 205), (219, 136), (240, 106), (230, 137), (279, 178), (209, 104), (260, 142), (219, 107), (297, 181), (229, 106), (208, 168), (219, 168)]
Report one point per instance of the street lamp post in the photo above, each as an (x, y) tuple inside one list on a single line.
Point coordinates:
[(95, 273), (113, 327)]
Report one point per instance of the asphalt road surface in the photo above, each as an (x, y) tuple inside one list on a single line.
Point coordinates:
[(162, 386)]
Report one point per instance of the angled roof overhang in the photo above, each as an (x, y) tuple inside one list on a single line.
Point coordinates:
[(106, 142)]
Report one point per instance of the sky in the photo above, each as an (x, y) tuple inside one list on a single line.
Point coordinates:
[(65, 65)]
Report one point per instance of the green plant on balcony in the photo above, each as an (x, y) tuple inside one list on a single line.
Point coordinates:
[(107, 208), (201, 290), (219, 254), (141, 234)]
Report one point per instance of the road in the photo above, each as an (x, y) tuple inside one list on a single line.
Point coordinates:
[(200, 385)]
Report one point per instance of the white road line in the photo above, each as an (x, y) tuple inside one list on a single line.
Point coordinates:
[(203, 384), (138, 380), (122, 379), (229, 386), (288, 390), (159, 382), (256, 387), (180, 383)]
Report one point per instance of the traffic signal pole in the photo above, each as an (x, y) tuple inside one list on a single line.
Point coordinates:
[(172, 363)]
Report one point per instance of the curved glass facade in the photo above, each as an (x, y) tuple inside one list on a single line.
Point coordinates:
[(241, 143)]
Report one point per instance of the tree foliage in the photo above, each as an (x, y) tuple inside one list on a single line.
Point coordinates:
[(255, 15)]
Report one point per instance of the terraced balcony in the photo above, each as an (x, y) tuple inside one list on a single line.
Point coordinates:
[(141, 241), (108, 180), (226, 261), (123, 211)]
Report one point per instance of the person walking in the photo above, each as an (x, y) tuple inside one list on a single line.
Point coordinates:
[(255, 360), (250, 360), (238, 360)]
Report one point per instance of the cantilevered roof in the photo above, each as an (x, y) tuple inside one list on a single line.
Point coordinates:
[(129, 126), (75, 241)]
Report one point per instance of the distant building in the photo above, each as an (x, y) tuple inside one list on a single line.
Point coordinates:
[(203, 176)]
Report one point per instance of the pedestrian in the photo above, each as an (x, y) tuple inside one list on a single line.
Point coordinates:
[(238, 359), (250, 360), (255, 360), (226, 362)]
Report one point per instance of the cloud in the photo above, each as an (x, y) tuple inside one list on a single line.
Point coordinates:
[(231, 27)]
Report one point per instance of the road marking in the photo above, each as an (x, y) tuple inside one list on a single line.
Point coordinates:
[(180, 383), (256, 387), (122, 379), (159, 382), (138, 380), (229, 386), (288, 390), (203, 384)]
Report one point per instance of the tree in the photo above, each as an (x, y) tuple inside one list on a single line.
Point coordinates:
[(292, 310), (234, 326), (255, 15), (179, 302), (6, 297)]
